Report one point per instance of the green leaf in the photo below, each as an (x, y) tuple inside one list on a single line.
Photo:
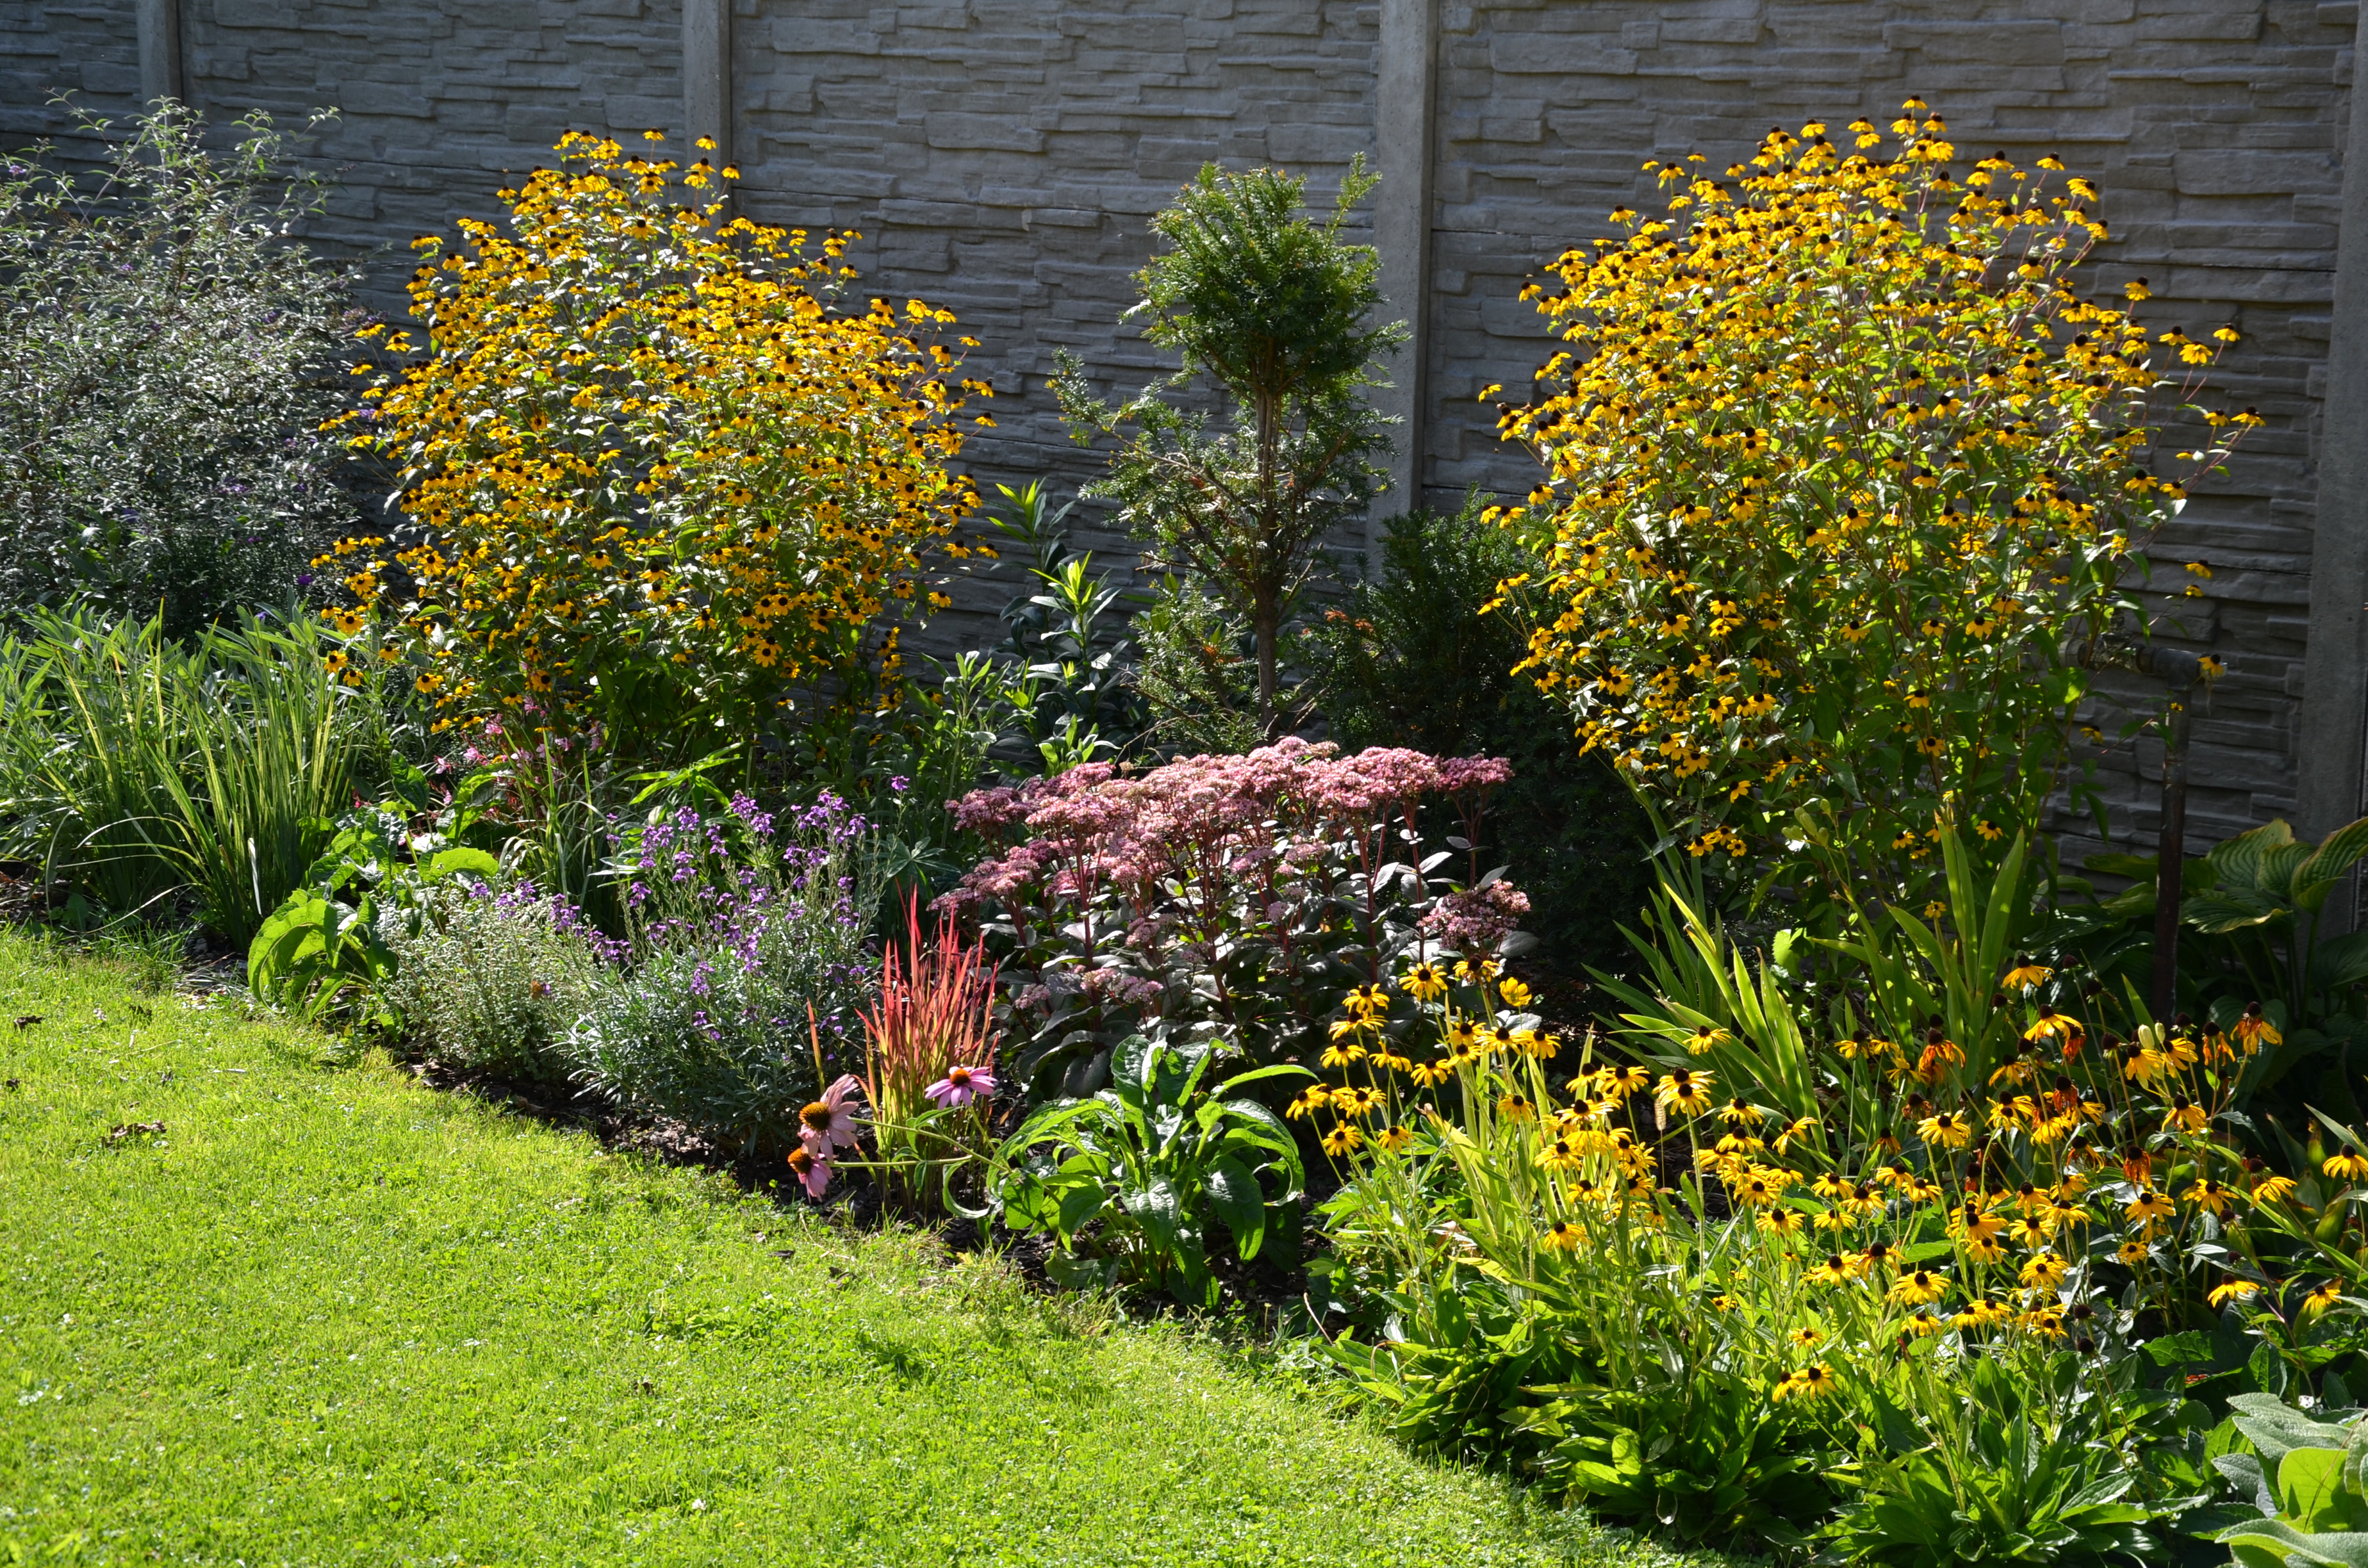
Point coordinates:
[(2239, 859), (2194, 1345), (1157, 1208), (2346, 1549), (1077, 1207), (2277, 1428), (2336, 853), (2310, 1489), (2339, 961), (458, 858), (1235, 1195), (2217, 913)]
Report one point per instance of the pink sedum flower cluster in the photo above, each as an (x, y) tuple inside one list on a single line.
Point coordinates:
[(1245, 892), (1093, 826)]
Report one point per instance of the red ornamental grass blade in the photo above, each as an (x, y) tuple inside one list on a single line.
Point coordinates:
[(934, 1010)]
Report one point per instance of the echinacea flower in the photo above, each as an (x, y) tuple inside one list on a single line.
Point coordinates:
[(961, 1085), (812, 1169), (829, 1122)]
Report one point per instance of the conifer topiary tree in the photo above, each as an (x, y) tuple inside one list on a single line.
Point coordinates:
[(1270, 309)]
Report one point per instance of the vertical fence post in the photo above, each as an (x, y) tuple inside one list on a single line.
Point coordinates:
[(707, 77), (2332, 739), (1406, 91), (158, 23)]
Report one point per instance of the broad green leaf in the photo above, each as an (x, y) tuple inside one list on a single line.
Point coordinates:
[(1157, 1211), (2222, 911), (2310, 1489), (459, 858), (2277, 1428), (2342, 1548), (1234, 1196), (2336, 853), (2239, 859)]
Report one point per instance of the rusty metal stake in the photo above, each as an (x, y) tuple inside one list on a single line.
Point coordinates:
[(2169, 857)]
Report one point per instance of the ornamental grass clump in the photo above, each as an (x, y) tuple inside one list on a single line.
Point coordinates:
[(657, 479), (928, 1053), (1847, 489), (1230, 900)]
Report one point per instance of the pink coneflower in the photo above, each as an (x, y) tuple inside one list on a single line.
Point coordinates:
[(829, 1122), (810, 1168), (961, 1085)]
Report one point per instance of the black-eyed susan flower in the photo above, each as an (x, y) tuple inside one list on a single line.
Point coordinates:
[(1685, 1090), (2233, 1290), (1835, 1271), (2347, 1165), (1812, 1382), (1918, 1287), (1945, 1130), (1424, 982)]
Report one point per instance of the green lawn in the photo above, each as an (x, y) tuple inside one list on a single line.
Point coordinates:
[(330, 1316)]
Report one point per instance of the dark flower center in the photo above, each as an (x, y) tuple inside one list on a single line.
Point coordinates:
[(816, 1115)]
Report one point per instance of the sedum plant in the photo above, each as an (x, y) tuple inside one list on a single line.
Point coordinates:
[(165, 346), (662, 483), (1271, 311), (1845, 485), (1226, 899)]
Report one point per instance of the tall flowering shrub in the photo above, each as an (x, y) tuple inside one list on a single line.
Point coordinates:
[(1235, 899), (1844, 484), (657, 478)]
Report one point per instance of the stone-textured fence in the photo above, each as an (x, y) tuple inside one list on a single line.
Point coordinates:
[(1001, 157)]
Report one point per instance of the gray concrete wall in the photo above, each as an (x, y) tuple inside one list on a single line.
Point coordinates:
[(1002, 157)]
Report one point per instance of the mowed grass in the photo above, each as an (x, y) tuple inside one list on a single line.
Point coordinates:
[(331, 1316)]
